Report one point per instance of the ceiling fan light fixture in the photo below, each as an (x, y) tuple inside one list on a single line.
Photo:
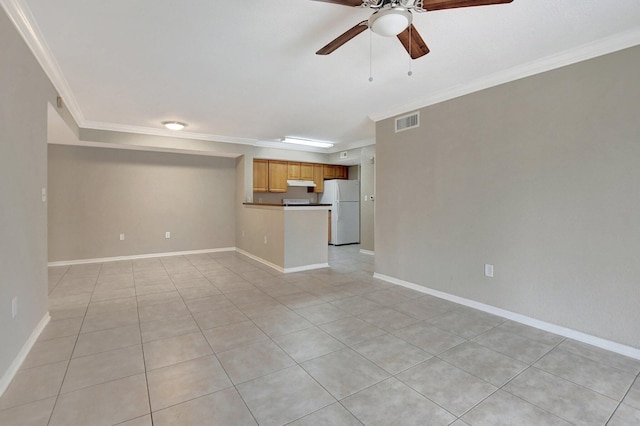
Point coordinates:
[(174, 125), (306, 142), (390, 22)]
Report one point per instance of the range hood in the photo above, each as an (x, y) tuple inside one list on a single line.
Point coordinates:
[(305, 183)]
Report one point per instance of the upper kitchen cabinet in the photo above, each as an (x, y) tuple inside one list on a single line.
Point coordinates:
[(272, 175), (329, 171), (260, 175), (318, 178), (278, 171), (342, 172), (306, 171), (300, 171), (293, 171)]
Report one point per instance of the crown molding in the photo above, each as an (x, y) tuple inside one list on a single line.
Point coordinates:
[(125, 128), (345, 146), (26, 25), (568, 57)]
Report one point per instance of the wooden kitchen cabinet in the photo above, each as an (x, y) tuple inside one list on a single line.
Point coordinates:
[(329, 171), (272, 175), (293, 171), (342, 172), (318, 178), (278, 171), (306, 171), (260, 175)]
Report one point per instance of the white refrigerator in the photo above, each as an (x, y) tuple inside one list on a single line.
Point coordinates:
[(344, 197)]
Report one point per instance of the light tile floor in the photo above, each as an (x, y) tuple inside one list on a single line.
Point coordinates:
[(219, 339)]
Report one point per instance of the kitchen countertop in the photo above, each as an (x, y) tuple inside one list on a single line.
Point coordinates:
[(287, 205)]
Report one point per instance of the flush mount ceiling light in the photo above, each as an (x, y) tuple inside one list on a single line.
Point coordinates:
[(174, 125), (307, 142), (390, 22)]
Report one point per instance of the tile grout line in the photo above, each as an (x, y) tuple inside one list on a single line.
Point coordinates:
[(213, 353), (144, 360), (55, 404), (350, 346), (622, 399), (498, 388)]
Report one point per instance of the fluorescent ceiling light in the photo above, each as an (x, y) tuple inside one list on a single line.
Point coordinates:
[(307, 142), (173, 125)]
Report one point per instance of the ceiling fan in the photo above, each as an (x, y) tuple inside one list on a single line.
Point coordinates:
[(394, 18)]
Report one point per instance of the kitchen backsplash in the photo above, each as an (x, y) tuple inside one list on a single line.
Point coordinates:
[(276, 197)]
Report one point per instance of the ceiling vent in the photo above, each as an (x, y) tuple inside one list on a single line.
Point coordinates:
[(407, 122)]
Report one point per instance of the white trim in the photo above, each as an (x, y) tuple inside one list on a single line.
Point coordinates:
[(306, 268), (108, 145), (280, 268), (22, 355), (138, 256), (581, 53), (26, 25), (369, 252), (346, 146), (523, 319), (261, 260), (126, 128)]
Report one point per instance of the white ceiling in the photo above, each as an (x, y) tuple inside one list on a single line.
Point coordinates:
[(247, 70)]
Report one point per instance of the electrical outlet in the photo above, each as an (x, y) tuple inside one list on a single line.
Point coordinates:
[(121, 237), (167, 234), (14, 307), (488, 270)]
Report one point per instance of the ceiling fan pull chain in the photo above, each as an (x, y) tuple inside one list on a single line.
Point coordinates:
[(410, 73), (370, 56)]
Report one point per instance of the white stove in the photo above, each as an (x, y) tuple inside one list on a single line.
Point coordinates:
[(295, 201)]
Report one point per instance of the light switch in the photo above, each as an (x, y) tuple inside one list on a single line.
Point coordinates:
[(44, 194), (167, 235)]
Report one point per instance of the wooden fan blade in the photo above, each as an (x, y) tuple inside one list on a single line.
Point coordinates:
[(418, 46), (342, 39), (452, 4), (354, 3)]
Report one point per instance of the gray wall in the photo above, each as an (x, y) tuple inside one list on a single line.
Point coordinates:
[(25, 93), (367, 187), (540, 177), (97, 193)]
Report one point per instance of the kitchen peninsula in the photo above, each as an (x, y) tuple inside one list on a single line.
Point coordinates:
[(289, 238)]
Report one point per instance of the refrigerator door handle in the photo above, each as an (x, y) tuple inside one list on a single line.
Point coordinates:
[(337, 210)]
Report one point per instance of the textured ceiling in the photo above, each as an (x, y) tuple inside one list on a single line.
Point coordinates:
[(233, 69)]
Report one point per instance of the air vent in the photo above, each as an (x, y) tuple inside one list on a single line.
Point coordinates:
[(407, 122)]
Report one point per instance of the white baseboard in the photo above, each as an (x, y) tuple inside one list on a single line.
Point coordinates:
[(306, 268), (369, 252), (523, 319), (138, 256), (8, 376), (280, 268), (261, 260)]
